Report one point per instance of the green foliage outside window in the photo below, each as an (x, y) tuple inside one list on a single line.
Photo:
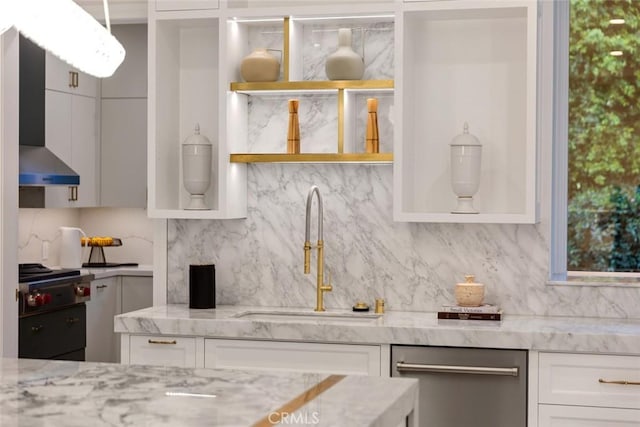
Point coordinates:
[(604, 136)]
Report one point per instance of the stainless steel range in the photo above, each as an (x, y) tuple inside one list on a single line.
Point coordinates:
[(52, 312)]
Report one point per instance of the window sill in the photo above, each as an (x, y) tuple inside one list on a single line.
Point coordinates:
[(626, 280)]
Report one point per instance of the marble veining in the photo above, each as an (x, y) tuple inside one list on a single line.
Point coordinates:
[(320, 41), (414, 266), (542, 333), (269, 116), (69, 394)]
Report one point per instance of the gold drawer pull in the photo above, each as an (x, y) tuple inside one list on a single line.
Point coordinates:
[(622, 382), (162, 342)]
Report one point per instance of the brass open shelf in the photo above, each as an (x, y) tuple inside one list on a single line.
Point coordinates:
[(312, 85), (312, 158)]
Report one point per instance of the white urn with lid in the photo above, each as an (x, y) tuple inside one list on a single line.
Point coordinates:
[(466, 152), (196, 168)]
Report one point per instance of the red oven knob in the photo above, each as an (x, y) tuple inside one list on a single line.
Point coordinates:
[(46, 298)]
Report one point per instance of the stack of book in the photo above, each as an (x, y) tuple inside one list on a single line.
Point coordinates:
[(483, 312)]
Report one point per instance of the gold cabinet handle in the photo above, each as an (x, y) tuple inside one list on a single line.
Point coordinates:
[(76, 79), (162, 342), (622, 382), (72, 320), (71, 79), (36, 329), (73, 193)]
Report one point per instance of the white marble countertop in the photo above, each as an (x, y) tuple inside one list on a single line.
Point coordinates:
[(103, 273), (567, 334), (63, 393)]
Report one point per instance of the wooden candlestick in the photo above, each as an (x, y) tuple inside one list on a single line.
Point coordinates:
[(372, 141), (293, 134)]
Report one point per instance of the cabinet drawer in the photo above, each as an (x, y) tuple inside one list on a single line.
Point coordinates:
[(581, 416), (162, 350), (293, 356), (574, 379)]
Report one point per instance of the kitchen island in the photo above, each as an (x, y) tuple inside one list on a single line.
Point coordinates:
[(64, 393)]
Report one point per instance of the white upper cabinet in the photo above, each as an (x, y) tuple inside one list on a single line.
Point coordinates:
[(71, 133), (466, 62), (332, 113), (62, 77), (432, 65), (184, 91), (123, 153)]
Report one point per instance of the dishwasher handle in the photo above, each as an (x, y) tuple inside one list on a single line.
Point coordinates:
[(450, 369)]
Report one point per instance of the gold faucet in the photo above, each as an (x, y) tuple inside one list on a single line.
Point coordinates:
[(321, 287)]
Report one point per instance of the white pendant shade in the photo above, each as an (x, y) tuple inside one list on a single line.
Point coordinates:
[(6, 17), (69, 32)]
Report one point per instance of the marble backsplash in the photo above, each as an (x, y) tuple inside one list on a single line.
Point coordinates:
[(414, 266), (41, 226)]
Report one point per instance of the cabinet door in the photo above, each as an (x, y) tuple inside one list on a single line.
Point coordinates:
[(589, 380), (58, 140), (84, 149), (103, 306), (130, 79), (58, 78), (123, 156), (162, 351), (346, 359), (71, 134), (137, 293), (582, 416)]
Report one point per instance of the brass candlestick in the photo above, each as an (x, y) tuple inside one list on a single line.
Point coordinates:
[(293, 134), (372, 141)]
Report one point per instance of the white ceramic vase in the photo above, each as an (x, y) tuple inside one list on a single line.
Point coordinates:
[(344, 63), (260, 66), (196, 168), (466, 152)]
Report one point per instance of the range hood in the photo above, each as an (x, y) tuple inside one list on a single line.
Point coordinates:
[(38, 165)]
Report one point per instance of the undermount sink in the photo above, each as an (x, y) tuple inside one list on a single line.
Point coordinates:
[(346, 317)]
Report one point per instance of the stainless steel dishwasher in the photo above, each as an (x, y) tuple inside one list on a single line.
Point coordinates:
[(466, 386)]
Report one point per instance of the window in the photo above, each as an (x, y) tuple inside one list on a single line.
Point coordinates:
[(603, 134)]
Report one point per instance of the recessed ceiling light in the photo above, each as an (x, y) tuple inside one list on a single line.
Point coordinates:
[(616, 21)]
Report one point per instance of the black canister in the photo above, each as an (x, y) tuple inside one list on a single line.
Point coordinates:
[(202, 286)]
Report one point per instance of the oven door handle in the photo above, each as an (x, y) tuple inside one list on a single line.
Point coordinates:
[(451, 369)]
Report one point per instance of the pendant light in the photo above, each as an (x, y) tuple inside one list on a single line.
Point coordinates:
[(67, 31)]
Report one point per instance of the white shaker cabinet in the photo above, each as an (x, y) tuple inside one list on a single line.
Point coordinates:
[(344, 359), (588, 390), (162, 350), (137, 293), (71, 133), (101, 309), (123, 153), (109, 297), (185, 351), (62, 77)]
